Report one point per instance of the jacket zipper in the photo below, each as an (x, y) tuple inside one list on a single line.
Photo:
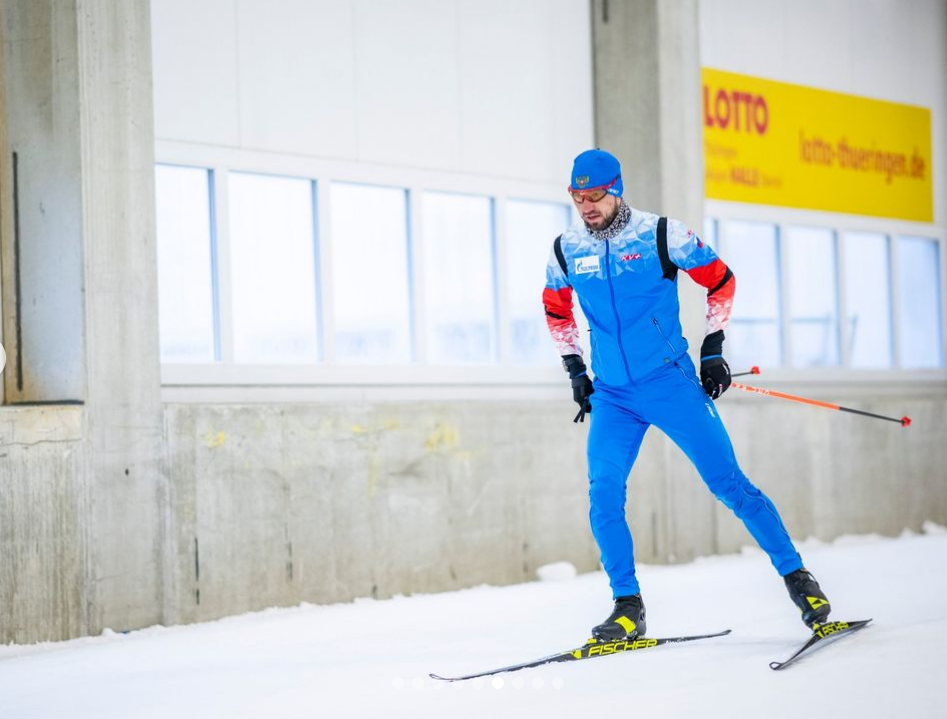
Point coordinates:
[(660, 332), (611, 291)]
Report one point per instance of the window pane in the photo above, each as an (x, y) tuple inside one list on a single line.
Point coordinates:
[(753, 255), (459, 278), (273, 264), (919, 317), (185, 264), (531, 228), (370, 274), (813, 298), (867, 300)]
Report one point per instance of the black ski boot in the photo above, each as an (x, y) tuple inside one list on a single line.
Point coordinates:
[(806, 594), (626, 622)]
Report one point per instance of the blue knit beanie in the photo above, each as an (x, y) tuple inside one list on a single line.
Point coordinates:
[(597, 168)]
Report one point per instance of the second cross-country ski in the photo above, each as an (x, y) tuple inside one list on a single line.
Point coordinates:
[(592, 648), (820, 636)]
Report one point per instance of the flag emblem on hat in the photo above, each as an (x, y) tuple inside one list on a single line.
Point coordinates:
[(582, 181)]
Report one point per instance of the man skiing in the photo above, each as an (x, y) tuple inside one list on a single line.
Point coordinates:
[(622, 264)]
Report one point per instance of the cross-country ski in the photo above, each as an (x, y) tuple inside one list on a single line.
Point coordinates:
[(591, 649)]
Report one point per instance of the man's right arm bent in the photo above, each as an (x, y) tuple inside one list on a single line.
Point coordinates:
[(557, 299)]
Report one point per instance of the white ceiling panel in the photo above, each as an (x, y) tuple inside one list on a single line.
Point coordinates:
[(195, 75), (297, 74), (407, 93)]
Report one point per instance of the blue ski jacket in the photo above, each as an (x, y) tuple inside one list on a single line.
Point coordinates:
[(629, 296)]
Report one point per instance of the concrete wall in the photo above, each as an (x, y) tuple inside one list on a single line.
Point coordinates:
[(272, 505), (44, 524)]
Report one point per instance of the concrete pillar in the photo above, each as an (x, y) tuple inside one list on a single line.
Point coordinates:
[(121, 310), (647, 101), (79, 116), (647, 111)]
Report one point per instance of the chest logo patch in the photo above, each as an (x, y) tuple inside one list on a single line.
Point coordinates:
[(629, 258), (586, 265)]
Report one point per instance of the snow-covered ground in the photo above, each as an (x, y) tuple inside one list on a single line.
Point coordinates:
[(374, 656)]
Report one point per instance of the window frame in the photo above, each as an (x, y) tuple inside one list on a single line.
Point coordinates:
[(782, 299), (319, 330), (327, 276), (844, 330), (225, 380), (499, 349), (784, 244), (503, 268), (894, 249), (213, 251), (781, 217)]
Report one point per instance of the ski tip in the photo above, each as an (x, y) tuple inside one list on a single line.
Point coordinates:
[(439, 677), (827, 631)]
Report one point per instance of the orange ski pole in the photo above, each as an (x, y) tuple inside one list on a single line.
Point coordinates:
[(904, 421)]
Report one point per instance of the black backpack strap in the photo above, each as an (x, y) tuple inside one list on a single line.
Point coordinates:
[(668, 268), (557, 246)]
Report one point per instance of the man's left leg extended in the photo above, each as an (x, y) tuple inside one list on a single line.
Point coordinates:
[(682, 410)]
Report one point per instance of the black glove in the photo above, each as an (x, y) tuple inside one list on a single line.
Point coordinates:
[(714, 370), (581, 385)]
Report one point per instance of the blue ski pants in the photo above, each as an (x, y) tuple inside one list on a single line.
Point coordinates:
[(671, 399)]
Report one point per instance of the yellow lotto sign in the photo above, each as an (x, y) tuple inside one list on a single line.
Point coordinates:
[(773, 143)]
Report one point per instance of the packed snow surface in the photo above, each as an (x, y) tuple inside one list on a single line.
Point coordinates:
[(372, 658)]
